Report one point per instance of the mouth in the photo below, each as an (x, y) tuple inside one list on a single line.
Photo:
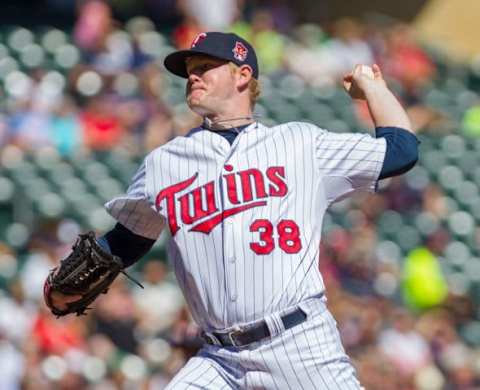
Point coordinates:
[(196, 92), (192, 89)]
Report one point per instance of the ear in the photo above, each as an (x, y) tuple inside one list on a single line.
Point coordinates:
[(244, 75)]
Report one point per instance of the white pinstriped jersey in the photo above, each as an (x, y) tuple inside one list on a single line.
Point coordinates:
[(245, 219)]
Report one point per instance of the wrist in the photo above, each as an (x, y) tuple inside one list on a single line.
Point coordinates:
[(376, 91)]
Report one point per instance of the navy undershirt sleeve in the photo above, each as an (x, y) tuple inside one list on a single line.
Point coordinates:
[(121, 242), (402, 150)]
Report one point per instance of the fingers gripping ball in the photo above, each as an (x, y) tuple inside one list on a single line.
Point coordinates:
[(367, 71), (354, 83), (87, 272)]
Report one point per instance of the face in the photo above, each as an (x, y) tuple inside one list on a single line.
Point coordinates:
[(211, 83)]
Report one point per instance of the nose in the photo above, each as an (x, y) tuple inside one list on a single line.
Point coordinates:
[(192, 77)]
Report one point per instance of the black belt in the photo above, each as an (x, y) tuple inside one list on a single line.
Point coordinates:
[(238, 337)]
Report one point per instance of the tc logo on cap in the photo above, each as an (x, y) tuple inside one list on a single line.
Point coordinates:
[(198, 38), (240, 52)]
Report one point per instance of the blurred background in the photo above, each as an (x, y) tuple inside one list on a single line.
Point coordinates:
[(84, 96)]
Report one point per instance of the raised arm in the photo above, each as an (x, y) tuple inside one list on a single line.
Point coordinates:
[(367, 83)]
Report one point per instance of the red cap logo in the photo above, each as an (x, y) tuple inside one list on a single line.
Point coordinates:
[(240, 52), (198, 38)]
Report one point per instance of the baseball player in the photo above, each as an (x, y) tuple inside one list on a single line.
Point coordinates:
[(244, 205)]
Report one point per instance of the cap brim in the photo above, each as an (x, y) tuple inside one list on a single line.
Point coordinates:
[(175, 62)]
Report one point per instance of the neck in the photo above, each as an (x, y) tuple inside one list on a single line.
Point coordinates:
[(222, 122)]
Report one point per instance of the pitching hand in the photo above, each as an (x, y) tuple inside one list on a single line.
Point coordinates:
[(363, 77)]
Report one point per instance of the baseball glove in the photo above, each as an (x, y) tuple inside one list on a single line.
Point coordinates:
[(88, 271)]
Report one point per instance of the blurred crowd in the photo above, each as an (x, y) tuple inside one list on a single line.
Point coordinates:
[(404, 323)]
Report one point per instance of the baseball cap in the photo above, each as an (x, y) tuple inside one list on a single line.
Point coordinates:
[(225, 46)]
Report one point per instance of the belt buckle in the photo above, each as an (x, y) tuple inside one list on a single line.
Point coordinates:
[(210, 338), (231, 336)]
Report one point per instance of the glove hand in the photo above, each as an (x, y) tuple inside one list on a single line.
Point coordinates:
[(81, 277), (59, 301)]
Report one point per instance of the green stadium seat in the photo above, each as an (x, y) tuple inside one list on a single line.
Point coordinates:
[(98, 219), (438, 99), (433, 161), (154, 44), (466, 193), (457, 253), (60, 174), (474, 209), (4, 51), (458, 283), (52, 39), (320, 114), (468, 163), (138, 25), (108, 188), (17, 235), (408, 238), (472, 269), (426, 223), (452, 204), (51, 205), (453, 146), (338, 126), (450, 177), (20, 37), (32, 56), (418, 178), (471, 331), (390, 222), (461, 223), (7, 65), (7, 190), (475, 175), (35, 187), (291, 87), (388, 251), (66, 57)]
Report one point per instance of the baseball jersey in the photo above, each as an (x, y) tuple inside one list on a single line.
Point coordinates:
[(245, 219)]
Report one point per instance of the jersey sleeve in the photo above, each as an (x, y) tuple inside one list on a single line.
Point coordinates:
[(134, 209), (348, 162)]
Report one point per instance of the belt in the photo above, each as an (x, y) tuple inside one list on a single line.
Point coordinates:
[(238, 337)]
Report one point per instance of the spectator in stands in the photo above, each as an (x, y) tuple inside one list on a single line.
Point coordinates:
[(93, 25), (216, 15), (309, 56), (348, 46), (269, 43), (159, 302), (403, 345), (406, 61), (65, 128)]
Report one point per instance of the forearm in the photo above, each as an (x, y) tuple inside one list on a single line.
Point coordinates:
[(385, 109), (121, 242)]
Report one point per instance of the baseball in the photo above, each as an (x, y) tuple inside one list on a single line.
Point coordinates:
[(367, 71)]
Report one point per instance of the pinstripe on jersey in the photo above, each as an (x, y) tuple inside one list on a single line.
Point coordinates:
[(246, 219)]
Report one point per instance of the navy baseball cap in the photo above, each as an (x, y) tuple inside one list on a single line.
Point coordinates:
[(225, 46)]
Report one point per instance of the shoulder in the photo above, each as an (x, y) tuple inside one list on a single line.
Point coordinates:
[(177, 142), (299, 127)]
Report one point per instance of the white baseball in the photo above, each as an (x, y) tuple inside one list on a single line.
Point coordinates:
[(367, 71)]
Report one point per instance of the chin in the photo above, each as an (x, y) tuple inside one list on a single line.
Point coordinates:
[(197, 108)]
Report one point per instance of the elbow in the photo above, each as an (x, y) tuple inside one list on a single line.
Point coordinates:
[(399, 160), (411, 158)]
